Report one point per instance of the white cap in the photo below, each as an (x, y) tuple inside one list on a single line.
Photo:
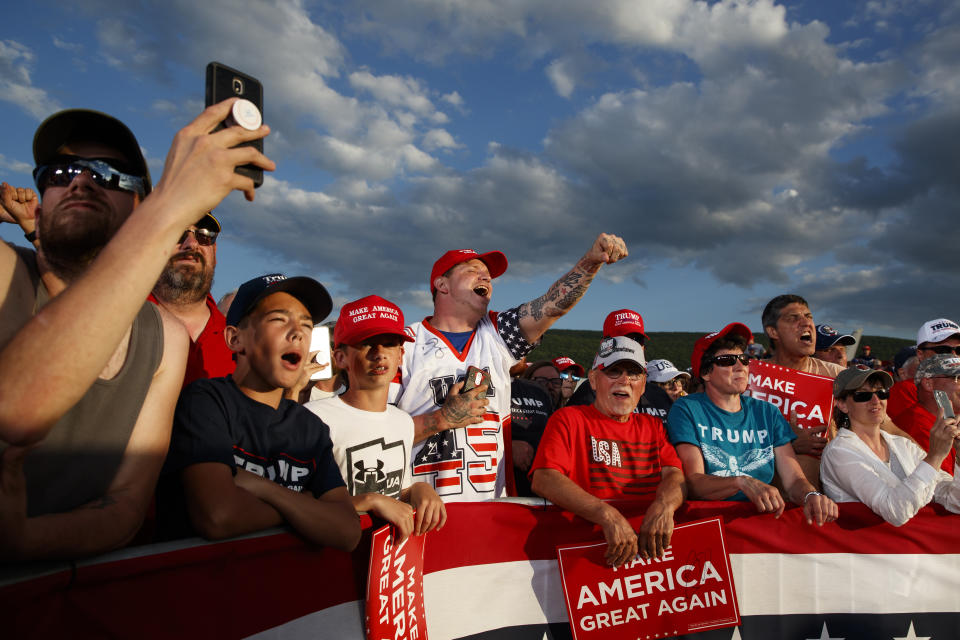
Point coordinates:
[(937, 331), (246, 114), (618, 349), (663, 371)]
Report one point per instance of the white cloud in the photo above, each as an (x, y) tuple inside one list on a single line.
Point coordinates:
[(722, 157), (73, 47), (453, 98), (538, 27), (16, 86), (439, 139), (369, 135), (16, 166), (398, 91), (562, 81)]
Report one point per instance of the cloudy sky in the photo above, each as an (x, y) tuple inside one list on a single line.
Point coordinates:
[(742, 149)]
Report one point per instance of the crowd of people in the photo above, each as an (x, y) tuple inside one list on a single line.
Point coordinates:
[(176, 416)]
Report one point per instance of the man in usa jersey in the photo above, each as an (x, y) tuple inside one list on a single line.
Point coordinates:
[(459, 437)]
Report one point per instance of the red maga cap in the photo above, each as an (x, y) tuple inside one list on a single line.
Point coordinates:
[(366, 317), (564, 362), (704, 343), (495, 260), (622, 323)]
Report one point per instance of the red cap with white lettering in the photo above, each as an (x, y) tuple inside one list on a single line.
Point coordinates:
[(704, 343), (565, 362), (623, 323), (366, 317), (495, 260)]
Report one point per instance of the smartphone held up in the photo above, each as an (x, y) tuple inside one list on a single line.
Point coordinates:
[(224, 82), (944, 401)]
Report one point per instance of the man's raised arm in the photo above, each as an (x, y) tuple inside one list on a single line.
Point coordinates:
[(86, 322), (539, 315)]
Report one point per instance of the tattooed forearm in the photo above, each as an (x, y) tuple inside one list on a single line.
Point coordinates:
[(534, 308), (565, 292), (456, 410), (563, 304), (559, 298), (556, 300), (426, 425), (588, 267)]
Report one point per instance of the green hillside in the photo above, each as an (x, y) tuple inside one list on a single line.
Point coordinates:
[(674, 346)]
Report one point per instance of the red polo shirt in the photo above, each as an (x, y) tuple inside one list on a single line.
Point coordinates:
[(209, 356), (917, 421)]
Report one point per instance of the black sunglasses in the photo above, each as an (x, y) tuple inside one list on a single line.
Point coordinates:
[(103, 173), (730, 359), (864, 396), (943, 349), (204, 237)]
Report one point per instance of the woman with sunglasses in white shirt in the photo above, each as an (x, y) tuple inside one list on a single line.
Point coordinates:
[(890, 474)]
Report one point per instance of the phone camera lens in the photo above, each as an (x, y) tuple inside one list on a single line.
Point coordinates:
[(238, 86)]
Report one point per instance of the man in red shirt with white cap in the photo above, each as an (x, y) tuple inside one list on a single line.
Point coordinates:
[(936, 337), (460, 435)]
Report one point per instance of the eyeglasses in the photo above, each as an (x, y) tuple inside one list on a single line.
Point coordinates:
[(204, 237), (729, 359), (632, 375), (553, 382), (676, 382), (102, 173), (571, 376), (864, 396), (943, 349)]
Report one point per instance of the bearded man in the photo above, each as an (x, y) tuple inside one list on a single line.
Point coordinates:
[(184, 290)]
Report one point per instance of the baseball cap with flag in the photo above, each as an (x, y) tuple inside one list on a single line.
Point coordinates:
[(619, 349)]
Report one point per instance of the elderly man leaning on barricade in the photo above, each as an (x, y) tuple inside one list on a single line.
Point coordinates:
[(628, 323), (730, 443), (606, 450), (74, 322)]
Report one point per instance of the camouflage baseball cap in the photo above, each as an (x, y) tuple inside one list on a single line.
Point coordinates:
[(942, 365)]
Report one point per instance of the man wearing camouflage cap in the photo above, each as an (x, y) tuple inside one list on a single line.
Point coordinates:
[(939, 372)]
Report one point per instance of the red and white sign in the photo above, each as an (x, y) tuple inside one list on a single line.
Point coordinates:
[(689, 589), (811, 396), (395, 608)]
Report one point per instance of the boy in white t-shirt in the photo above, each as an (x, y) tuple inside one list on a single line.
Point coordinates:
[(372, 439)]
